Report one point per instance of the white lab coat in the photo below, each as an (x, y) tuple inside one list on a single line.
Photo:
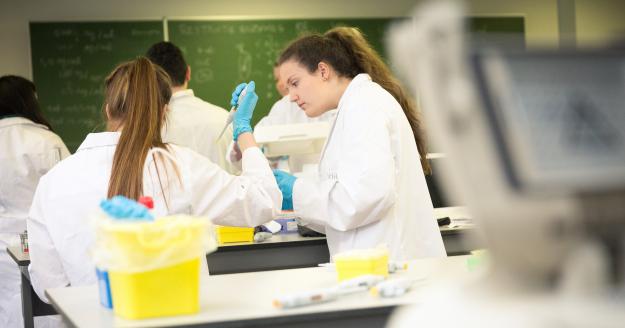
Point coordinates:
[(196, 124), (27, 151), (285, 111), (371, 188), (59, 230)]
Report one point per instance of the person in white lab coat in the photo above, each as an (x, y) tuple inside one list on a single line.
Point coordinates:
[(28, 149), (371, 185), (191, 121), (112, 163)]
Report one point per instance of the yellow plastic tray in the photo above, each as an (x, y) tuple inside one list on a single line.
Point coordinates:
[(353, 264), (234, 234)]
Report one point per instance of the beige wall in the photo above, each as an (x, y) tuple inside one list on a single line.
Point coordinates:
[(596, 21), (541, 17), (599, 21)]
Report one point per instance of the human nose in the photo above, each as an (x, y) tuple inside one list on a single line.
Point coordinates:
[(292, 96)]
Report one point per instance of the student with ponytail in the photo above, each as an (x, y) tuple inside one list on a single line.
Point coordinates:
[(132, 160), (371, 186)]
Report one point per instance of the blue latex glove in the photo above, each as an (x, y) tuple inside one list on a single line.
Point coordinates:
[(285, 183), (243, 117), (120, 207)]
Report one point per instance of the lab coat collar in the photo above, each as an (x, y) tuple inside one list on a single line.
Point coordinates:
[(182, 94), (101, 139), (356, 81), (17, 120)]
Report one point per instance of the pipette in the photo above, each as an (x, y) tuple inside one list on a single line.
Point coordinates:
[(357, 284), (392, 266), (392, 288), (305, 298), (231, 113), (354, 285)]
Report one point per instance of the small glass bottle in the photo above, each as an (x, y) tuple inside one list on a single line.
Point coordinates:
[(24, 241)]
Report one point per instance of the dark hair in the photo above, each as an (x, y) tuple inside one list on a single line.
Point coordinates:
[(136, 93), (169, 57), (349, 54), (18, 97)]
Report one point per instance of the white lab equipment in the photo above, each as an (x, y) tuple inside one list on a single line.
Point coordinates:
[(292, 139), (305, 298), (392, 287), (536, 150), (262, 236), (232, 112), (299, 142), (392, 266), (285, 112), (359, 283), (397, 266), (354, 285)]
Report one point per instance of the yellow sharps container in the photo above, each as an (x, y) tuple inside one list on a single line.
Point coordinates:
[(155, 266)]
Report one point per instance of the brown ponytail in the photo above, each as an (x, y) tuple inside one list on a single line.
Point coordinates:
[(136, 95), (349, 53)]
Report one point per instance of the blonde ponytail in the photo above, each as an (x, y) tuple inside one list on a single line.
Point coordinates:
[(136, 94)]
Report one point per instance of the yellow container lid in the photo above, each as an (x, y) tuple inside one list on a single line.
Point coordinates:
[(144, 246)]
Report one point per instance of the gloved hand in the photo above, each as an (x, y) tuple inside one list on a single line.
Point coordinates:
[(243, 116), (285, 183), (120, 207)]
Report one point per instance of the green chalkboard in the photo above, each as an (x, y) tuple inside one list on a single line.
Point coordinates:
[(71, 59), (70, 62), (508, 32), (224, 53)]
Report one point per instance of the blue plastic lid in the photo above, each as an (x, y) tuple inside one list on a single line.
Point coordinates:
[(123, 208)]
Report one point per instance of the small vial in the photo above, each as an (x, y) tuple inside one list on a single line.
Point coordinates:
[(24, 241)]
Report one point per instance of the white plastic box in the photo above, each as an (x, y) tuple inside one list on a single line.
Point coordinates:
[(292, 139)]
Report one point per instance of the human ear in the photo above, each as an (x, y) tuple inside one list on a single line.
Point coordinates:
[(324, 70)]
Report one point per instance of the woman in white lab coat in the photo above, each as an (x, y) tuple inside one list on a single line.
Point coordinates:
[(123, 161), (28, 149), (371, 187)]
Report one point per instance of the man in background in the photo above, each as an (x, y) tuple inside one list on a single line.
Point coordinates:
[(191, 121)]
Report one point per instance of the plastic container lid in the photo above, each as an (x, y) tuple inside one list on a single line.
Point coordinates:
[(120, 207)]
